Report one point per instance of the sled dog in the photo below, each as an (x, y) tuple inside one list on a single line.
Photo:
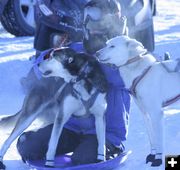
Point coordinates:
[(155, 86), (83, 93)]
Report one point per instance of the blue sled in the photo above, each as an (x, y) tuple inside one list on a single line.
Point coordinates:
[(63, 162)]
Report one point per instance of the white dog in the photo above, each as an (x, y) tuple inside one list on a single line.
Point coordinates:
[(154, 85)]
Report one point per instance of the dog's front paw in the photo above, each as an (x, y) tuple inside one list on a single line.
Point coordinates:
[(49, 163), (155, 161), (2, 166), (150, 158), (101, 158)]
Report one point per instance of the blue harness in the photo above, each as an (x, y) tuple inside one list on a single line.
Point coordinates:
[(38, 60)]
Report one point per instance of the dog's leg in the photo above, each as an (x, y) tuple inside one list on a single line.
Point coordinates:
[(100, 131), (151, 135), (67, 108), (27, 115), (150, 131), (153, 120), (8, 122), (98, 111), (21, 125), (59, 122), (156, 117), (23, 122)]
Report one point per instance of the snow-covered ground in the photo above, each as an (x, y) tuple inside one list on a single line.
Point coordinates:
[(14, 64)]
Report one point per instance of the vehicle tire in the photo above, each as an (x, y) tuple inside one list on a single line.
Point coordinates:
[(18, 17)]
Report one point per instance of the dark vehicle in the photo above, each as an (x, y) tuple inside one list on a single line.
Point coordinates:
[(139, 15), (18, 18)]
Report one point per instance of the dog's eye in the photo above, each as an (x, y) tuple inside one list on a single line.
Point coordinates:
[(47, 56), (70, 60)]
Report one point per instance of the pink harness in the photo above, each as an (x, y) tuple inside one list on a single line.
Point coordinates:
[(170, 101), (137, 80)]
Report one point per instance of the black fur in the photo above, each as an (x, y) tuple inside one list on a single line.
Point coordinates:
[(94, 77)]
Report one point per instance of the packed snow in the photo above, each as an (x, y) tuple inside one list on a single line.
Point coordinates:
[(15, 64)]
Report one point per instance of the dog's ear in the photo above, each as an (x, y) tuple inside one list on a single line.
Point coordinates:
[(135, 47), (132, 43)]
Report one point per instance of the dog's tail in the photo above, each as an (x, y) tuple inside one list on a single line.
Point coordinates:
[(8, 122)]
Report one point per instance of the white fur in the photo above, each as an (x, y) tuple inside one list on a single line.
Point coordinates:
[(156, 87), (57, 69)]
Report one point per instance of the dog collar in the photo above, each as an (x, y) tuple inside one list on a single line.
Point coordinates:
[(134, 59)]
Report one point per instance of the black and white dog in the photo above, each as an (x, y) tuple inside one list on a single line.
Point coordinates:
[(83, 93)]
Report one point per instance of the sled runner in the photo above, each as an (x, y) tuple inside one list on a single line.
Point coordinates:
[(63, 162)]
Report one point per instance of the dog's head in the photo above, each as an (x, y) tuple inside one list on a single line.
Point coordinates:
[(102, 21), (65, 63), (68, 64), (56, 62), (102, 16), (119, 50)]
